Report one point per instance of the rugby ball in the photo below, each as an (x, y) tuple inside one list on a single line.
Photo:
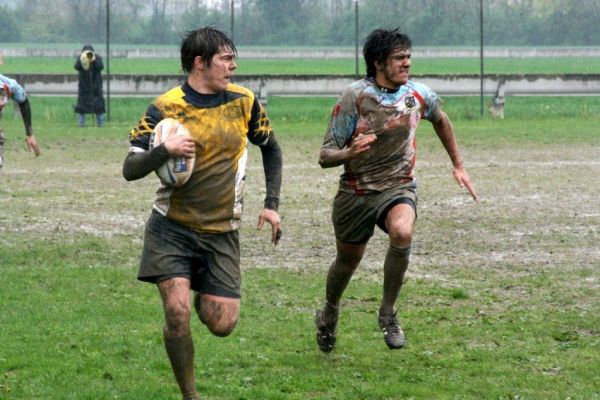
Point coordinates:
[(176, 170)]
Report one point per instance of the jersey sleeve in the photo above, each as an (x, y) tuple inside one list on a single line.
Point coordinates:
[(16, 91), (139, 136), (259, 126), (432, 100), (342, 122)]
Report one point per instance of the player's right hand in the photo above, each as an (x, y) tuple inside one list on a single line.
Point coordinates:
[(181, 146), (362, 143)]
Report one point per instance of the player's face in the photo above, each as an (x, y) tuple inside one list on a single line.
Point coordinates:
[(218, 74), (395, 71)]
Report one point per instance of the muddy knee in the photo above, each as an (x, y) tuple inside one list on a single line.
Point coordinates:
[(219, 314), (401, 233), (176, 306), (177, 321)]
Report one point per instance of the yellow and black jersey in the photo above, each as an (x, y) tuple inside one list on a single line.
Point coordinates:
[(221, 125)]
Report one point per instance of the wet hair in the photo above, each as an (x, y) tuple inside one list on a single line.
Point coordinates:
[(380, 44), (204, 42)]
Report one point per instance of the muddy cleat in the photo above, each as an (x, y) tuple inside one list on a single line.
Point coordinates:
[(326, 330), (1, 161), (392, 332)]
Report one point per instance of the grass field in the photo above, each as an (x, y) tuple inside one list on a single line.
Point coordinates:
[(501, 299), (420, 66)]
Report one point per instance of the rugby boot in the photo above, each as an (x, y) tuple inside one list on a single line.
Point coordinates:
[(392, 332), (326, 329)]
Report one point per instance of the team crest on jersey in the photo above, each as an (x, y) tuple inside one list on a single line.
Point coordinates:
[(410, 102), (232, 112)]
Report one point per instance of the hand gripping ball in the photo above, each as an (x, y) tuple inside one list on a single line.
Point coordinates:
[(176, 170)]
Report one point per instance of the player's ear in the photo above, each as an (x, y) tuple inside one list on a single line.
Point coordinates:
[(199, 63)]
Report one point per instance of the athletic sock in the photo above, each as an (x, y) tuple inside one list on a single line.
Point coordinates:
[(394, 267), (180, 351), (337, 280)]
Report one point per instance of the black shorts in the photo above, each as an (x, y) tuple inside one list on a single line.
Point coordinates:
[(355, 217), (211, 261)]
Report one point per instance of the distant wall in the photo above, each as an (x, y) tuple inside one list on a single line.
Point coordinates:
[(321, 53), (321, 85)]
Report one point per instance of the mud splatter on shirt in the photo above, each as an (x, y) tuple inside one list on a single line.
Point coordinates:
[(365, 108)]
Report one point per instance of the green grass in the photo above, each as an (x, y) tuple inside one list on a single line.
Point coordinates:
[(500, 302), (80, 327), (420, 66), (555, 117)]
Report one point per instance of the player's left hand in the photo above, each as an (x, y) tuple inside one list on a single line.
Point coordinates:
[(272, 217), (461, 176), (32, 145)]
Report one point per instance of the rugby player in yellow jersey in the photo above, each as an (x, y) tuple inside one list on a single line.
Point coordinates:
[(191, 241)]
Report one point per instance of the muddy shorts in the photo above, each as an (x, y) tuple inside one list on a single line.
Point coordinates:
[(211, 261), (354, 217)]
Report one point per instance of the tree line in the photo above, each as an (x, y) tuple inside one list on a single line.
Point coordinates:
[(304, 22)]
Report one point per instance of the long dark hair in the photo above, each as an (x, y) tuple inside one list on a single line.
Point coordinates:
[(380, 43)]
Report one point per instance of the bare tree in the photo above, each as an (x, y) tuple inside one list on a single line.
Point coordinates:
[(158, 22)]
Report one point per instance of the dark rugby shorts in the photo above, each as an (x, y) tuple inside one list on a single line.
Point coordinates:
[(211, 261), (355, 216)]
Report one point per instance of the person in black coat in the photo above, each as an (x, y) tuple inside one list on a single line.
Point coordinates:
[(89, 90)]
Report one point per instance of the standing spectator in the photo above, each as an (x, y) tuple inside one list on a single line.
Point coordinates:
[(10, 89), (89, 90)]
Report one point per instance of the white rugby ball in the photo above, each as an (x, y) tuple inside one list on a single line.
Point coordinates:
[(176, 170)]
